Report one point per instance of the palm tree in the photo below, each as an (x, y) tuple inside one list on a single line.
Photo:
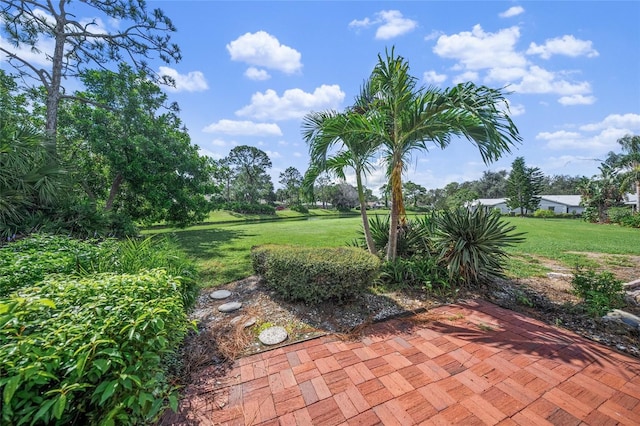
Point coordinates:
[(326, 130), (631, 162), (406, 117)]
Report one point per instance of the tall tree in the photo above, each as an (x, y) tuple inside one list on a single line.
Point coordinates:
[(414, 192), (77, 45), (291, 179), (524, 187), (407, 118), (601, 192), (491, 184), (324, 131), (630, 163), (250, 183), (138, 144), (561, 185)]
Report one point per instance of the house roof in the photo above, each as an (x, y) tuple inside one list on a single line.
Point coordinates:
[(488, 201), (568, 200)]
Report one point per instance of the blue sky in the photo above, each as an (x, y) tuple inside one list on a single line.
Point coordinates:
[(251, 70)]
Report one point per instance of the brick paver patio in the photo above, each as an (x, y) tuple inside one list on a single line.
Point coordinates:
[(468, 364)]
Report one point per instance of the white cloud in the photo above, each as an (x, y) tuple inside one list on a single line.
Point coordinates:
[(273, 154), (253, 73), (577, 100), (478, 49), (244, 128), (294, 103), (433, 77), (566, 45), (222, 143), (629, 121), (264, 50), (539, 80), (391, 24), (194, 81), (466, 76), (596, 138), (515, 110), (512, 11), (35, 57)]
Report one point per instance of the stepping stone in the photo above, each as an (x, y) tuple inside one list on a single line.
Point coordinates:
[(273, 336), (623, 317), (220, 294), (248, 321), (230, 307)]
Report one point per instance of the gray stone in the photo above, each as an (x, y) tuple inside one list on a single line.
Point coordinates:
[(623, 317), (230, 307), (273, 336), (559, 275), (246, 321), (632, 285), (220, 294)]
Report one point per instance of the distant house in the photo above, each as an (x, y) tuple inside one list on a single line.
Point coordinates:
[(630, 200), (555, 203)]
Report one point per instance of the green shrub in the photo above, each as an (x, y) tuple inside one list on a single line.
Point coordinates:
[(471, 243), (632, 221), (315, 275), (300, 208), (601, 292), (413, 238), (618, 214), (25, 262), (89, 350), (545, 214), (250, 208), (415, 272)]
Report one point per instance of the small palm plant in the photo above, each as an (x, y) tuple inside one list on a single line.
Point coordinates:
[(472, 243)]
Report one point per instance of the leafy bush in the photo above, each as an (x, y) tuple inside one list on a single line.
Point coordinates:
[(26, 262), (618, 214), (89, 350), (413, 238), (632, 221), (250, 208), (601, 292), (471, 243), (315, 275), (545, 214), (415, 272), (300, 208)]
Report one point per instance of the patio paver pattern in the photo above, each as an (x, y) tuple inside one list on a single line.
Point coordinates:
[(471, 363)]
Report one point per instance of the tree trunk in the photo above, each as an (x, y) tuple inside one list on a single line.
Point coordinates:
[(53, 88), (638, 196), (397, 210), (363, 212), (113, 192)]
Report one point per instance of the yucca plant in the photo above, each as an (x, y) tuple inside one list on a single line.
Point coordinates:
[(471, 244)]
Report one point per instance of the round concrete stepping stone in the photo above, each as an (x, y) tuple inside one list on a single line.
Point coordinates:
[(230, 307), (247, 321), (220, 294), (273, 336)]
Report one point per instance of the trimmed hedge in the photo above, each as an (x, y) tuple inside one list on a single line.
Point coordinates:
[(89, 350), (315, 275)]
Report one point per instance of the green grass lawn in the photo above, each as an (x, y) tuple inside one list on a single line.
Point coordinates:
[(223, 249)]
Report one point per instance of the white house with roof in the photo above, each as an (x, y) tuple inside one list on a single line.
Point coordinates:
[(555, 203)]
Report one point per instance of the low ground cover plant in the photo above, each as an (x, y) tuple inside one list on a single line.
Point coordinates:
[(315, 274), (601, 291), (88, 329), (89, 350)]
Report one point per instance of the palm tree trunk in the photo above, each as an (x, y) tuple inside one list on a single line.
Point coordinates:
[(638, 196), (398, 214), (363, 212)]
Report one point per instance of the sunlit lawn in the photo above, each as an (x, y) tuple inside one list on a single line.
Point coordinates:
[(223, 249)]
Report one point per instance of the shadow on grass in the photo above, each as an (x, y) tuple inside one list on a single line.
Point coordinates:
[(205, 243)]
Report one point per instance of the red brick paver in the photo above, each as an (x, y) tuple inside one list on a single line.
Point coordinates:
[(472, 363)]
